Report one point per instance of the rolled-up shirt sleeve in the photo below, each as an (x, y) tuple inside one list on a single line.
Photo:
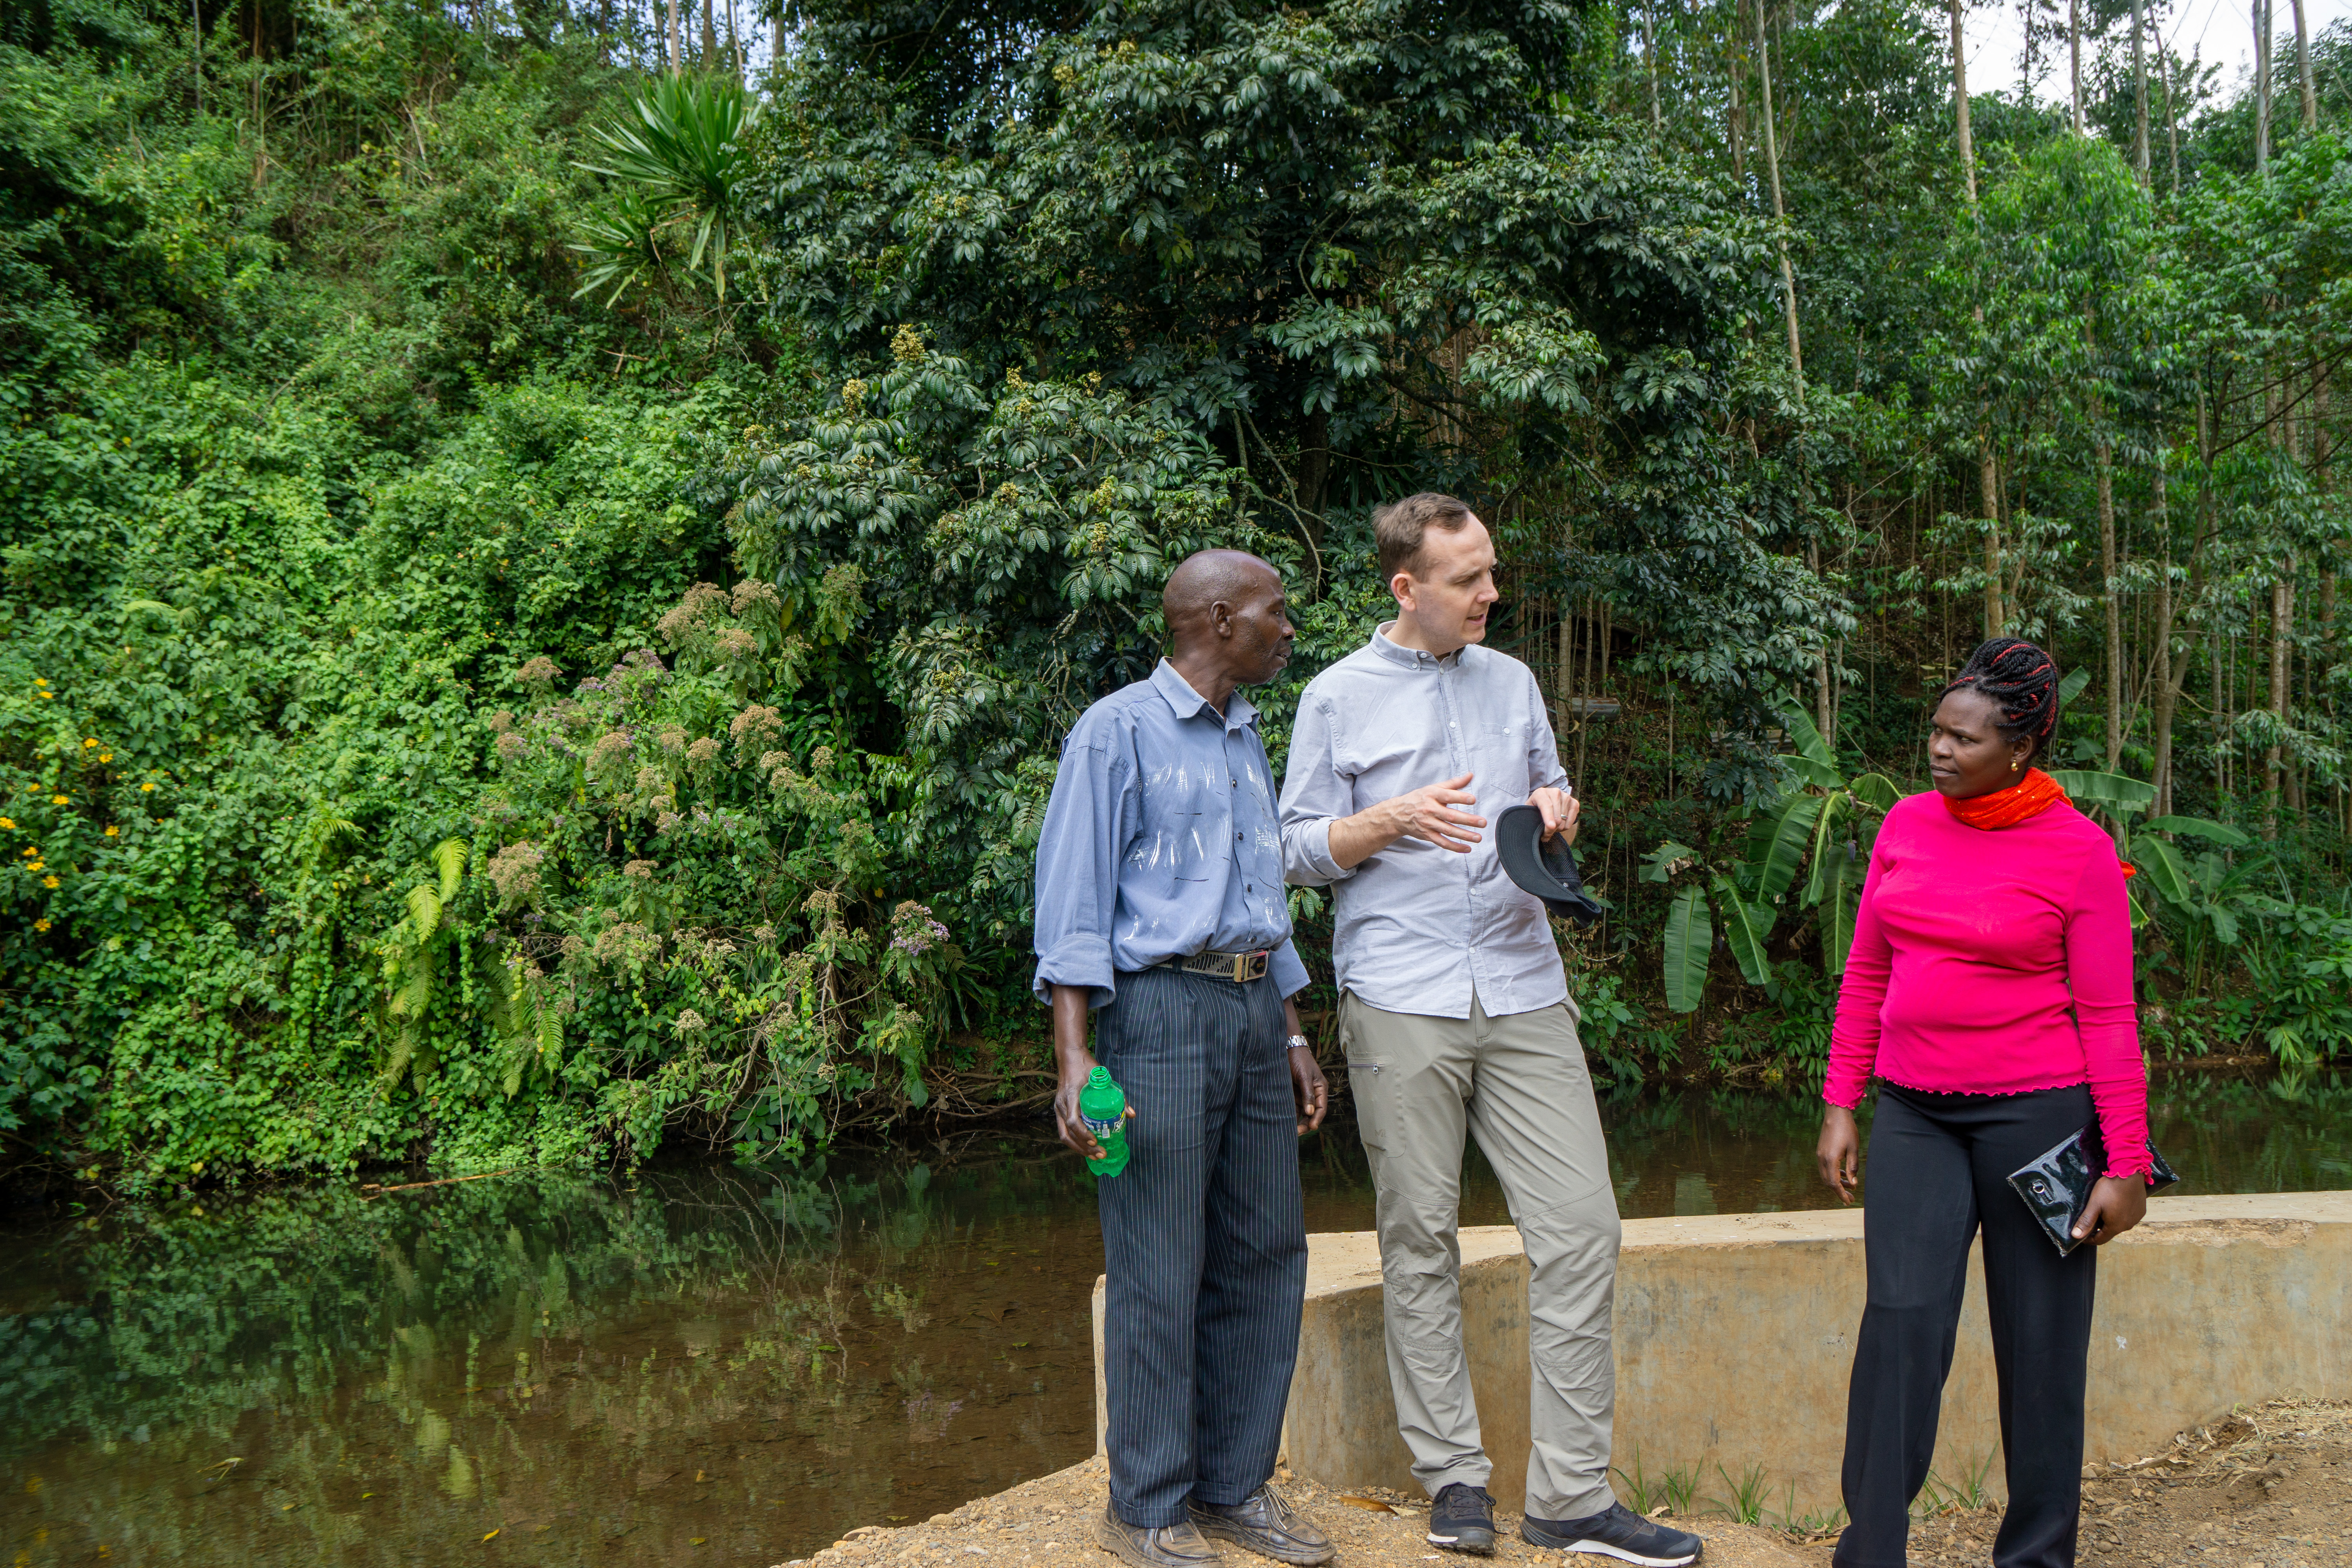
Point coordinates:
[(1287, 970), (1314, 795), (1088, 823)]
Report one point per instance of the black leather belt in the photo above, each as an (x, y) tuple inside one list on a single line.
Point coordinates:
[(1238, 967)]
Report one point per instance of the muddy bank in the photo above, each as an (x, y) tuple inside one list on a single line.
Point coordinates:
[(2268, 1486)]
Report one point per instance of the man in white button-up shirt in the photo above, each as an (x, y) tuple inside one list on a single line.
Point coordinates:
[(1455, 1012)]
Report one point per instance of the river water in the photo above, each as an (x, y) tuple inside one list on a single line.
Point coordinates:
[(699, 1364)]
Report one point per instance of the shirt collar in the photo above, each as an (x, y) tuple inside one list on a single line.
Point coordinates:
[(1410, 658), (1187, 703)]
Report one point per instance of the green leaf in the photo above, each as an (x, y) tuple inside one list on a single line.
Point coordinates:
[(1777, 845), (2072, 686), (1875, 789), (2113, 791), (1746, 928), (2161, 863), (449, 859), (2197, 828), (1689, 936), (1814, 762), (1820, 878), (1842, 888), (1665, 860)]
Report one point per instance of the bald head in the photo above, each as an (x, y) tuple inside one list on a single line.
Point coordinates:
[(1209, 577), (1226, 616)]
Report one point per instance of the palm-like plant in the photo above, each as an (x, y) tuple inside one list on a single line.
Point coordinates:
[(680, 156)]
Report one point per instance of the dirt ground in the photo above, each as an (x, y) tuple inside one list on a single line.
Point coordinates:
[(2269, 1486)]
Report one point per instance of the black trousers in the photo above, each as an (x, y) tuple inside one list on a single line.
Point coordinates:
[(1204, 1242), (1937, 1173)]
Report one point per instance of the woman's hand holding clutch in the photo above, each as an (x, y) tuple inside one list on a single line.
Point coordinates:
[(2118, 1204)]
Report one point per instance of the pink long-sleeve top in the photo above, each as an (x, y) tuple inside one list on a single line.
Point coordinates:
[(1994, 963)]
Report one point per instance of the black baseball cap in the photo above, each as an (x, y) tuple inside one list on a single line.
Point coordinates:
[(1546, 870)]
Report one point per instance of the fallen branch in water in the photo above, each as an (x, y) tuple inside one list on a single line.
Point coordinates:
[(374, 1189)]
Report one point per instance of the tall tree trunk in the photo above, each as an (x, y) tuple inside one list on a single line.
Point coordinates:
[(1960, 108), (1780, 218), (1650, 58), (1736, 123), (2172, 122), (2282, 661), (196, 20), (2139, 90), (2104, 453), (1988, 484), (2303, 67), (2262, 87), (2172, 669), (709, 39), (2074, 57), (676, 44)]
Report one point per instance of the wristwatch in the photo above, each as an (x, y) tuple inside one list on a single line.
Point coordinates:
[(1299, 1042)]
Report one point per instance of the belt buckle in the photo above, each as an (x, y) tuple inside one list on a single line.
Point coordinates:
[(1249, 966)]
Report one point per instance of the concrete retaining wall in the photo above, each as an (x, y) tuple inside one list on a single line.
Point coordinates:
[(1735, 1337)]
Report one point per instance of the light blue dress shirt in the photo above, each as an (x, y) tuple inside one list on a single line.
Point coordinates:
[(1416, 927), (1160, 842)]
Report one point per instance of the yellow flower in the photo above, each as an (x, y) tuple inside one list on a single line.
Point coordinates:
[(45, 694), (57, 800), (148, 785), (38, 681), (40, 925), (48, 881), (7, 824), (106, 756), (110, 831), (35, 853), (90, 743)]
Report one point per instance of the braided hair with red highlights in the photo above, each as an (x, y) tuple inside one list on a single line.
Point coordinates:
[(2020, 681)]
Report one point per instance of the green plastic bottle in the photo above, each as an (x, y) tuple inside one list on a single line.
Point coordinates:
[(1102, 1108)]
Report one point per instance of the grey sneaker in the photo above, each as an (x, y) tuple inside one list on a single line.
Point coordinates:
[(1620, 1533), (1265, 1522), (1169, 1546), (1461, 1518)]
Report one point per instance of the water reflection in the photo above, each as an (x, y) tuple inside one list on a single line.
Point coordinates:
[(703, 1365)]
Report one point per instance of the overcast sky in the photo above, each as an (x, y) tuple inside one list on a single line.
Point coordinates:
[(2221, 32)]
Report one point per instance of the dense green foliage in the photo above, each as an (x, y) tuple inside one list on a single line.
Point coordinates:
[(542, 593)]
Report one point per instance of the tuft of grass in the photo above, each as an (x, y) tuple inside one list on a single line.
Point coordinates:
[(1940, 1496), (1746, 1502)]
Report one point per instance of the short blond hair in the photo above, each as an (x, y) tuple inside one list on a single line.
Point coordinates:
[(1398, 528)]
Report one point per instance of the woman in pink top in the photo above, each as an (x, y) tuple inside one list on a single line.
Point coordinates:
[(1989, 990)]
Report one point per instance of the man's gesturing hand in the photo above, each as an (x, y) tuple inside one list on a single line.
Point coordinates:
[(1431, 813)]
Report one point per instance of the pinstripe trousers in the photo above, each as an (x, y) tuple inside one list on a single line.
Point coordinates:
[(1204, 1242)]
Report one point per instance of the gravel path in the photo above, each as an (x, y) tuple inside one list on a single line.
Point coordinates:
[(2269, 1486)]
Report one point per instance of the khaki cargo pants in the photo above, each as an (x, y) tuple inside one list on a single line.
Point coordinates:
[(1520, 1083)]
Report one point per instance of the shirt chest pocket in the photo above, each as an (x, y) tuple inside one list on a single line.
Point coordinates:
[(1187, 833)]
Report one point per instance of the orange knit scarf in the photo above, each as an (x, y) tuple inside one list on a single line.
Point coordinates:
[(2029, 797)]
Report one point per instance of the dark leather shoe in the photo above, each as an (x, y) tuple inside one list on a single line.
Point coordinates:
[(1265, 1524), (1169, 1546)]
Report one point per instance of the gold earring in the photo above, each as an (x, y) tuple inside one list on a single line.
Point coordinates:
[(2014, 764)]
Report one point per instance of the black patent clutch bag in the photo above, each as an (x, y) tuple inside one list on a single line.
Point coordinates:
[(2057, 1187)]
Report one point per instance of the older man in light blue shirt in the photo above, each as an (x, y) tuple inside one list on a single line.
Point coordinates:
[(1455, 1014), (1161, 914)]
